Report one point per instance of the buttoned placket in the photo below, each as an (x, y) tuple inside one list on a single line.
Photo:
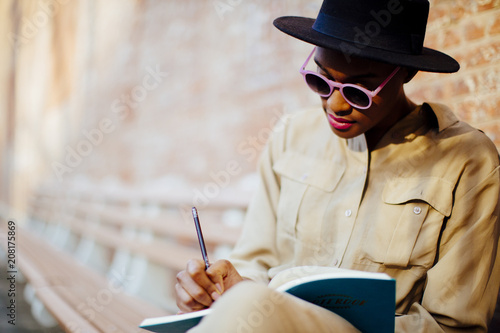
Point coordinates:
[(357, 172)]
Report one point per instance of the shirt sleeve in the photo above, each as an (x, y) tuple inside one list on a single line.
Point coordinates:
[(462, 287)]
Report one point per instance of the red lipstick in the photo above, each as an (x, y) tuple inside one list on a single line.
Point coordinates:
[(339, 123)]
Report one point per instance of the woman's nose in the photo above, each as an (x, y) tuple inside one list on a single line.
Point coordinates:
[(337, 103)]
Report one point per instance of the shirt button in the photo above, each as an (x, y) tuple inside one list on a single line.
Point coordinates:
[(348, 213), (417, 210), (335, 262), (304, 176)]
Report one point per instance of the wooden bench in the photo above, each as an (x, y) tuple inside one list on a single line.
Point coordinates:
[(102, 260)]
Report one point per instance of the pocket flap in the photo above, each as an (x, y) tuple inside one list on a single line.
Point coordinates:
[(304, 169), (437, 192)]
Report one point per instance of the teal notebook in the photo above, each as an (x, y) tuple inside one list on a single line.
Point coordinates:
[(175, 323), (365, 299)]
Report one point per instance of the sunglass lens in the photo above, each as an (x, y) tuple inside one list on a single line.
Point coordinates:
[(356, 96), (317, 84)]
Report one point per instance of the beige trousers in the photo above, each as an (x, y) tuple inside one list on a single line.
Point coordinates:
[(249, 307)]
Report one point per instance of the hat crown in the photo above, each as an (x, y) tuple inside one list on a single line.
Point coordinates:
[(393, 25), (389, 31)]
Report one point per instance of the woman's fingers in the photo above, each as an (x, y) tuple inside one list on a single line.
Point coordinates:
[(195, 290), (198, 288), (185, 302)]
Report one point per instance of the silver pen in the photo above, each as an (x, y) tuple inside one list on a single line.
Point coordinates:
[(200, 237)]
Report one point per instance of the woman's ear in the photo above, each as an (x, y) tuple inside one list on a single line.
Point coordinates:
[(410, 74)]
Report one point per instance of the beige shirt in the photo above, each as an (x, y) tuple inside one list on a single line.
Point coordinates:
[(421, 207)]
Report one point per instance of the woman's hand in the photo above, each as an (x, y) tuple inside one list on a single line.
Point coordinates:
[(197, 289)]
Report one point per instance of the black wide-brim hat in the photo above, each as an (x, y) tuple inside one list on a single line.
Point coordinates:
[(390, 31)]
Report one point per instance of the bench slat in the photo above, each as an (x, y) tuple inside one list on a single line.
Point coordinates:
[(63, 286)]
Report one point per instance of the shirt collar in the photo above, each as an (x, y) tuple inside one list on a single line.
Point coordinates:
[(423, 118), (417, 122), (444, 116)]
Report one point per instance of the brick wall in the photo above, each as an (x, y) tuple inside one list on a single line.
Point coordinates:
[(470, 32), (150, 93)]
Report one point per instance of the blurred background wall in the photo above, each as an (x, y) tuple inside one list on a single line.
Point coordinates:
[(177, 94)]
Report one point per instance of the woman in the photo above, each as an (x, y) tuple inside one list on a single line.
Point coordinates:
[(371, 182)]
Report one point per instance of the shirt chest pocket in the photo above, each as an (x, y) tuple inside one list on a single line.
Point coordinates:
[(306, 186), (414, 211)]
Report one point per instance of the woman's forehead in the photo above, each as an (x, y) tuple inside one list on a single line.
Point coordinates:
[(337, 61)]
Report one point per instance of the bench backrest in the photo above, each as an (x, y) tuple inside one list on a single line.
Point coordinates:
[(145, 238)]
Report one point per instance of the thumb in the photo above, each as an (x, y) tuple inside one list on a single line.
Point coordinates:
[(218, 281), (217, 277)]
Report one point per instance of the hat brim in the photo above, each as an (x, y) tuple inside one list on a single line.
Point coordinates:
[(429, 60)]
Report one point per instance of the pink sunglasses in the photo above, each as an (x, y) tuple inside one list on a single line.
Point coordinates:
[(355, 95)]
